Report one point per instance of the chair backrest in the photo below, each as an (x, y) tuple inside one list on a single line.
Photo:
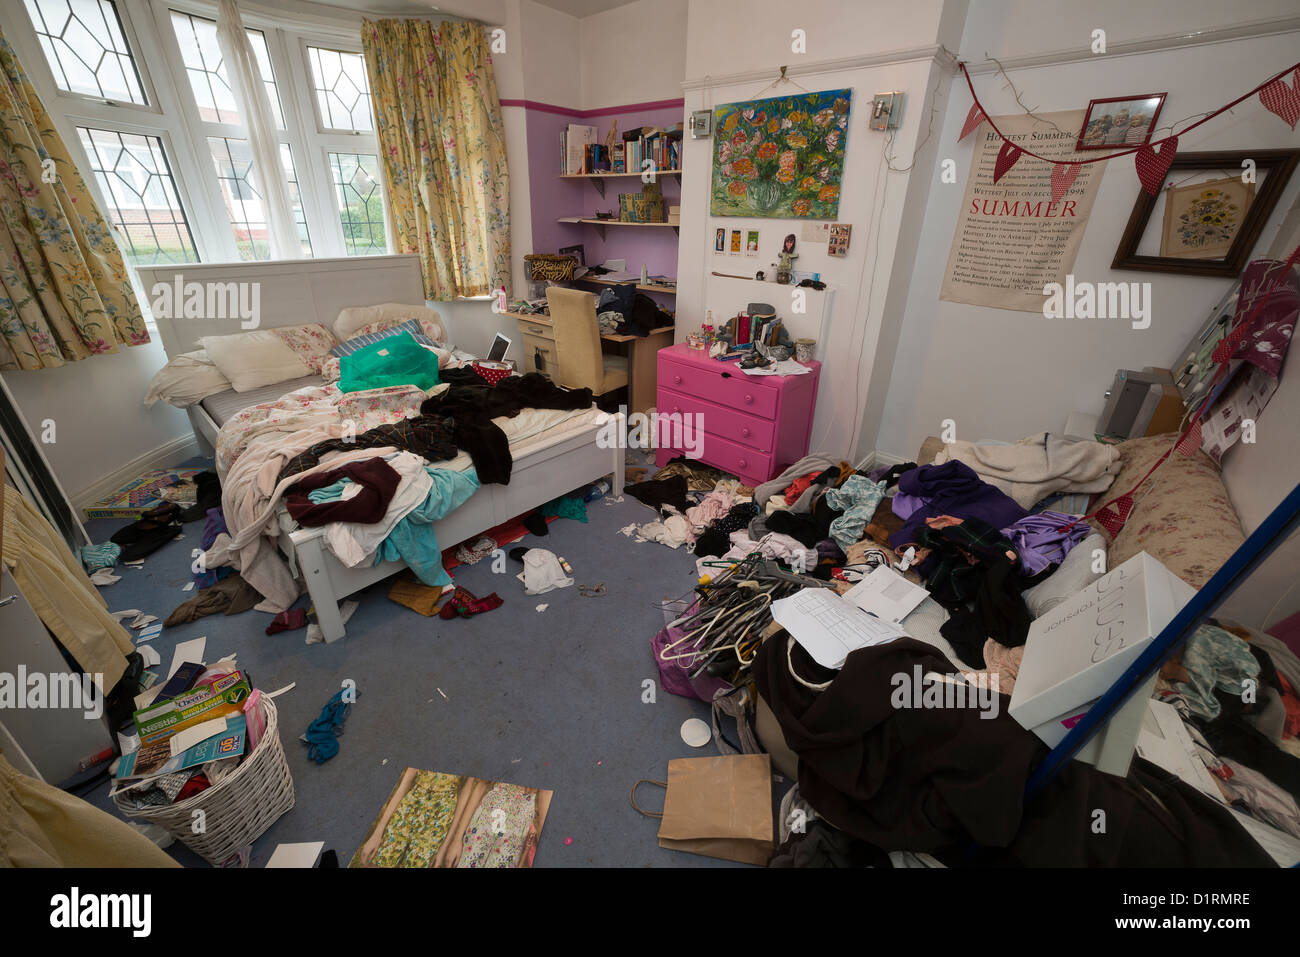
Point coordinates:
[(577, 338)]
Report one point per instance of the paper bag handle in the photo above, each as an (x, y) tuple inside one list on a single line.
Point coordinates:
[(632, 797)]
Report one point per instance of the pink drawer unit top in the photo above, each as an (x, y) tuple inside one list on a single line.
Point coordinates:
[(753, 426)]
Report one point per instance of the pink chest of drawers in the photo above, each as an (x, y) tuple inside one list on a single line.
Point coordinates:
[(752, 426)]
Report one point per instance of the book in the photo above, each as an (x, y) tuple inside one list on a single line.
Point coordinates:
[(217, 696), (154, 760), (576, 141)]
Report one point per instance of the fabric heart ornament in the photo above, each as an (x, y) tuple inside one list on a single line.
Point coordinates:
[(973, 119), (1007, 157), (1284, 100), (1228, 345), (1152, 166), (1190, 443), (1113, 516), (1063, 177)]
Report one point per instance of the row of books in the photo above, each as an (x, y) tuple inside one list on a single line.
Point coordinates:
[(580, 153)]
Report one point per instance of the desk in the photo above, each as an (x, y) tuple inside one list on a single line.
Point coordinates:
[(539, 355)]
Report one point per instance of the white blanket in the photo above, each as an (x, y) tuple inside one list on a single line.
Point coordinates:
[(1038, 465)]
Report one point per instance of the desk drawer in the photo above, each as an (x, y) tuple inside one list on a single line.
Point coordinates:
[(748, 430), (539, 355), (728, 387), (540, 330)]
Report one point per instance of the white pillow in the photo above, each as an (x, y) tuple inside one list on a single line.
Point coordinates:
[(186, 379), (251, 360), (1072, 576), (354, 318)]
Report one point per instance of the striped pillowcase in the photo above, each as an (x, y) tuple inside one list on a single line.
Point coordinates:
[(411, 327)]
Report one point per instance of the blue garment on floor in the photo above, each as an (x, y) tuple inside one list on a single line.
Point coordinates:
[(322, 734), (857, 498), (95, 557), (412, 539)]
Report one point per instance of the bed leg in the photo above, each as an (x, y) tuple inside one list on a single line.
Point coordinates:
[(620, 461), (311, 560)]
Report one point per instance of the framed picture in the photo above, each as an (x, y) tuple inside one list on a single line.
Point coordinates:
[(735, 242), (1120, 121), (720, 240), (839, 240), (1205, 220), (751, 242)]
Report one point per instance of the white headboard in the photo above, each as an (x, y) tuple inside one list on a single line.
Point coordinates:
[(290, 292)]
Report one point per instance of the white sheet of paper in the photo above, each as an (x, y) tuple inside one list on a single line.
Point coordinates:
[(829, 627), (149, 654), (1171, 747), (149, 634), (191, 650), (105, 576), (886, 594), (188, 737), (119, 615), (784, 367), (296, 855)]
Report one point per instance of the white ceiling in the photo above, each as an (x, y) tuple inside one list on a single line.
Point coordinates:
[(584, 8)]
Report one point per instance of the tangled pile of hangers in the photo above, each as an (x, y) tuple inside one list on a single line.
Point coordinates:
[(733, 616)]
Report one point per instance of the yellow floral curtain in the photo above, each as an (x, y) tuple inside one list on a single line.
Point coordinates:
[(443, 146), (65, 293)]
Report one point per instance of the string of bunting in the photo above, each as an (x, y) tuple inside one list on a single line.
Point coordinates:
[(1152, 159)]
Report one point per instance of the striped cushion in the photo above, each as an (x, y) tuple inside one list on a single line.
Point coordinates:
[(411, 327)]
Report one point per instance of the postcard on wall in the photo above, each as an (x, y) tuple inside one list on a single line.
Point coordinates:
[(1202, 219), (814, 232), (448, 820), (735, 242), (720, 240), (1011, 239), (751, 242), (780, 158), (839, 240)]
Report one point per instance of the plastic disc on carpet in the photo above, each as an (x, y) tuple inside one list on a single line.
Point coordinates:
[(696, 733)]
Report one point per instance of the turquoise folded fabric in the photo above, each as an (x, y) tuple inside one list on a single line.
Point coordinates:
[(95, 557), (412, 538), (397, 360)]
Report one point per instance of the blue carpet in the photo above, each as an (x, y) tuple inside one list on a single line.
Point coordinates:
[(547, 700)]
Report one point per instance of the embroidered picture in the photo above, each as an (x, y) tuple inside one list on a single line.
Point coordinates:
[(1202, 219)]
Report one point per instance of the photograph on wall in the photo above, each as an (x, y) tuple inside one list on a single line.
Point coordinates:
[(735, 242), (720, 240), (839, 240), (1202, 219), (1120, 121), (780, 158), (441, 820), (1011, 239), (751, 242)]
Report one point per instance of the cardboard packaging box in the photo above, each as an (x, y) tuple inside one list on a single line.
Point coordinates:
[(1077, 650), (218, 696)]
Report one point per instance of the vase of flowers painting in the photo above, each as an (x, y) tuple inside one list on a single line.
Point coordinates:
[(781, 157)]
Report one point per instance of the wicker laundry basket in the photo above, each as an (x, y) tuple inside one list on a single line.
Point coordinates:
[(237, 811)]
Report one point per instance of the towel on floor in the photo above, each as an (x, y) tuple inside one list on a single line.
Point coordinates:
[(1038, 465)]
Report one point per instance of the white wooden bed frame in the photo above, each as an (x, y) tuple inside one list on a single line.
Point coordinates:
[(314, 290)]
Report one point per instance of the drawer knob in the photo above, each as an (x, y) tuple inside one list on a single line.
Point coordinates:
[(741, 462), (677, 380), (749, 400), (745, 432)]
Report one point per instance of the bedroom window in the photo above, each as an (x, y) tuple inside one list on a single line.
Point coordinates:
[(140, 196), (360, 202), (86, 48), (341, 90), (197, 37), (233, 159)]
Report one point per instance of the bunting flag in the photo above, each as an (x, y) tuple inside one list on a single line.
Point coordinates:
[(1007, 157), (1063, 175), (1152, 166), (1113, 516), (1283, 99), (1191, 440), (975, 117)]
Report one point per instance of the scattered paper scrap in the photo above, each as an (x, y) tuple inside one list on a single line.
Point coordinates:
[(138, 563), (189, 586), (191, 650), (543, 606), (130, 612), (140, 620), (150, 656), (105, 576), (150, 633), (443, 693), (296, 855)]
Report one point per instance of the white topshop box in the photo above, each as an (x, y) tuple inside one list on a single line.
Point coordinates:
[(1075, 652)]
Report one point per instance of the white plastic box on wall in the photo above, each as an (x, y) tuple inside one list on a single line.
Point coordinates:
[(1075, 652)]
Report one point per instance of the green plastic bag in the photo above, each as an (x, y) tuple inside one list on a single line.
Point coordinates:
[(397, 360)]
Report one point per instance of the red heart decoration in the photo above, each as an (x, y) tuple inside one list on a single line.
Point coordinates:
[(1284, 100), (1190, 443), (1063, 175), (1113, 516), (1007, 157), (973, 119), (1152, 166)]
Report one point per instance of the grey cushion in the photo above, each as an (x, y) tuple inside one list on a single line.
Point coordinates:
[(1072, 576)]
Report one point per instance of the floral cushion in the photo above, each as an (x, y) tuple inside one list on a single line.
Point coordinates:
[(1181, 516), (311, 343)]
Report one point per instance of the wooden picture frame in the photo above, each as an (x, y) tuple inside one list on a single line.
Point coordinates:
[(1278, 165), (1097, 139)]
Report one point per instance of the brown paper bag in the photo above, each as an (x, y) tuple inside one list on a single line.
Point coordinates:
[(719, 807)]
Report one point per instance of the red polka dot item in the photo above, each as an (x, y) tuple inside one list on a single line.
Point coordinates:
[(492, 372)]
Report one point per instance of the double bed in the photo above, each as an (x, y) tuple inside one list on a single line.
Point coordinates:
[(553, 452)]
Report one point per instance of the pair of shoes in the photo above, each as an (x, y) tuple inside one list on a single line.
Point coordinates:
[(208, 496), (147, 524)]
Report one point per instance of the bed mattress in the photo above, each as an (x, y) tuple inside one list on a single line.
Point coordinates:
[(225, 405)]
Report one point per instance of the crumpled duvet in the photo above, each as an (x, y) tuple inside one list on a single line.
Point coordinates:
[(1038, 465)]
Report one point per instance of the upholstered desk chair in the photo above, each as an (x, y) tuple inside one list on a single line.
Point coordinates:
[(580, 363)]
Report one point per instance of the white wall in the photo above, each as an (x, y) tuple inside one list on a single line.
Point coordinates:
[(1003, 374), (551, 55), (633, 54)]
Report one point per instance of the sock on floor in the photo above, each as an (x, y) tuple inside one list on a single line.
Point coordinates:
[(289, 620)]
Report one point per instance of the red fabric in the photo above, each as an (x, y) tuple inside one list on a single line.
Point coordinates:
[(192, 787), (1063, 176), (798, 487), (504, 534), (1190, 443), (290, 620), (1152, 166), (973, 119), (1113, 516), (1284, 100), (1007, 156), (1291, 727), (492, 376)]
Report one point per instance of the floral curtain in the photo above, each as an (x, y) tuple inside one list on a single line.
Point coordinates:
[(65, 293), (443, 145)]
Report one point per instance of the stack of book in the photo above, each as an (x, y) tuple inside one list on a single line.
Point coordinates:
[(662, 147)]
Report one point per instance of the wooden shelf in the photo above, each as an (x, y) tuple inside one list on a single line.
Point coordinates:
[(602, 223), (649, 287), (598, 179)]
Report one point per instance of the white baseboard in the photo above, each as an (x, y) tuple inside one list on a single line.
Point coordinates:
[(876, 458), (168, 454)]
